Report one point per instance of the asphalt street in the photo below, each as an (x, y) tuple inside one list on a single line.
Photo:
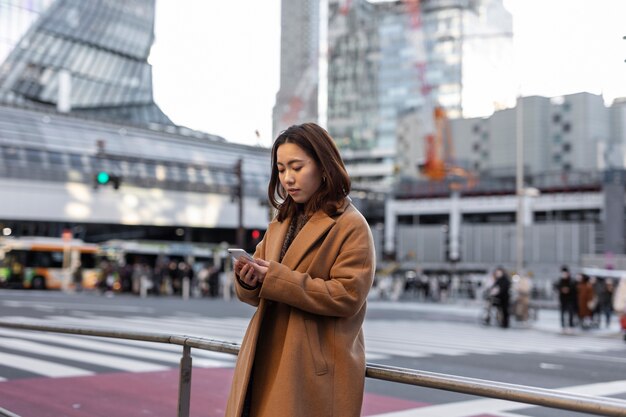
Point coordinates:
[(444, 338)]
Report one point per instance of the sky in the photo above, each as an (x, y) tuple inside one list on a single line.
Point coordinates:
[(216, 63)]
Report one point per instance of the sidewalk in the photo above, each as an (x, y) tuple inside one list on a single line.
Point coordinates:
[(548, 319)]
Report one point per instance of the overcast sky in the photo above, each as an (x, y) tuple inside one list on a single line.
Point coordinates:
[(216, 63)]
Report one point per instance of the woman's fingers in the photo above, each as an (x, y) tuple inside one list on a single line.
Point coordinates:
[(248, 275), (262, 262)]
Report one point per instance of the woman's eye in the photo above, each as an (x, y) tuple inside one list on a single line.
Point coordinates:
[(297, 169)]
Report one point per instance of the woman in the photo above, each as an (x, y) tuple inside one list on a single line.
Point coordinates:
[(303, 353)]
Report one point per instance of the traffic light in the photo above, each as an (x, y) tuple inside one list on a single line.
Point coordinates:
[(106, 178), (255, 238)]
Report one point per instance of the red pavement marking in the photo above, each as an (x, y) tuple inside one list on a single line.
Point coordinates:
[(153, 394)]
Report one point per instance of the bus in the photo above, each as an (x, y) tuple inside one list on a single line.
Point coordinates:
[(47, 263)]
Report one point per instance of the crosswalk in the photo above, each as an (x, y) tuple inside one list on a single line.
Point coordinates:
[(30, 353), (419, 339)]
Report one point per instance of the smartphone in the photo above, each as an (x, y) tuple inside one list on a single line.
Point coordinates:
[(238, 253)]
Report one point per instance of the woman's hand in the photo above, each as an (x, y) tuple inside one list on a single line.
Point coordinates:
[(246, 273), (260, 269)]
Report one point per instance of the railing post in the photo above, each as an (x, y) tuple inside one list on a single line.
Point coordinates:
[(184, 383)]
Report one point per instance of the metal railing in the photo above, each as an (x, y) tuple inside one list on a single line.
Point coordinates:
[(601, 406)]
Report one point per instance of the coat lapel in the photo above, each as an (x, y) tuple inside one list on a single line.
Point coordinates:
[(277, 230), (313, 230)]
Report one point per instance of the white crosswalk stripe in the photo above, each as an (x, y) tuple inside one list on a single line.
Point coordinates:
[(117, 354), (100, 359), (41, 367)]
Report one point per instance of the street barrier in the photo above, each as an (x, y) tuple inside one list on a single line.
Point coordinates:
[(601, 406)]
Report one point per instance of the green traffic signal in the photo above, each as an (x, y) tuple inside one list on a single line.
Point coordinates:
[(103, 177)]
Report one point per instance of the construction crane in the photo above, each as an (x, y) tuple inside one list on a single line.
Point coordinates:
[(439, 164)]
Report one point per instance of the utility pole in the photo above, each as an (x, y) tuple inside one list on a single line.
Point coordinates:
[(240, 229), (519, 176)]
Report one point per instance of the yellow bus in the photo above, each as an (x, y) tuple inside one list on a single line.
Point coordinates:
[(47, 263)]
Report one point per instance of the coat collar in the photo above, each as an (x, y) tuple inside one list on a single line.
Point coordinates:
[(313, 230)]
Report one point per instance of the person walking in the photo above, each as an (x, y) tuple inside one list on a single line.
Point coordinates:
[(619, 303), (605, 302), (585, 296), (566, 289), (501, 293), (303, 353), (523, 288)]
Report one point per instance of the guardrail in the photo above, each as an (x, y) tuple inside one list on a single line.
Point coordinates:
[(601, 406)]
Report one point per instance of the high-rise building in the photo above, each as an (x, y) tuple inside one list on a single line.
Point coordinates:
[(87, 58), (388, 58), (16, 16), (297, 99)]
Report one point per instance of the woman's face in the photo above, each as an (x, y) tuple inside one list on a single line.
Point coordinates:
[(298, 173)]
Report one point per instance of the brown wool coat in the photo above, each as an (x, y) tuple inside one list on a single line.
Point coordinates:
[(305, 339)]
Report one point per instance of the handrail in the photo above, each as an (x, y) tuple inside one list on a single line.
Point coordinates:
[(602, 406)]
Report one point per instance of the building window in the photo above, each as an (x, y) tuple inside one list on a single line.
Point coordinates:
[(567, 147), (567, 127), (556, 118)]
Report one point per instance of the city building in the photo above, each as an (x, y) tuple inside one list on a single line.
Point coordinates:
[(388, 58), (88, 58), (16, 16), (297, 98), (84, 148), (572, 202), (573, 133)]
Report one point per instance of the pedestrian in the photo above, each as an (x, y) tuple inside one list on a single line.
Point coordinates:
[(501, 293), (605, 302), (523, 290), (77, 276), (303, 353), (619, 303), (586, 301), (567, 299)]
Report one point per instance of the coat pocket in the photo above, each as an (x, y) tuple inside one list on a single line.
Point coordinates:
[(321, 367)]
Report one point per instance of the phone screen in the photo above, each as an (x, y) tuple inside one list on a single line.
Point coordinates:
[(237, 253)]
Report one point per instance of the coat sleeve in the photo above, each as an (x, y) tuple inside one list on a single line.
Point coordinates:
[(246, 295), (343, 294)]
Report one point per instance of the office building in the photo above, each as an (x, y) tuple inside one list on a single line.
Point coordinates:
[(84, 148), (388, 58), (87, 58), (297, 99), (16, 16)]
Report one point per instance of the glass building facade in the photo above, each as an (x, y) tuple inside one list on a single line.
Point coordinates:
[(388, 58), (93, 55), (89, 58), (297, 99), (16, 16), (353, 69)]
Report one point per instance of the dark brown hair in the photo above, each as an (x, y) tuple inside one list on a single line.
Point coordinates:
[(317, 144)]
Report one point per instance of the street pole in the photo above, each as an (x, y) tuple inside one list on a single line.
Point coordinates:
[(519, 176), (240, 229)]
